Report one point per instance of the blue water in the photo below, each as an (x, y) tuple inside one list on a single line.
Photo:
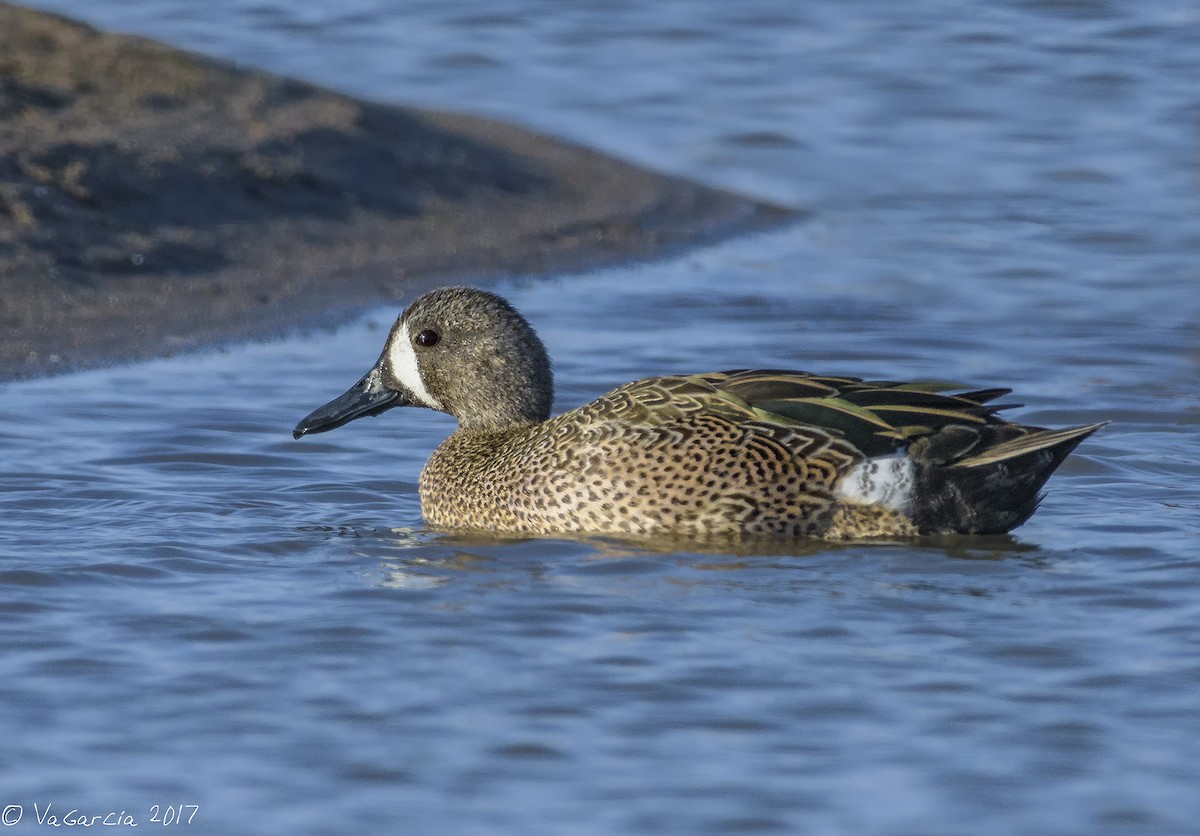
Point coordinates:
[(197, 610)]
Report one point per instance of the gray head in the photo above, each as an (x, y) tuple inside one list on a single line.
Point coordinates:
[(459, 350)]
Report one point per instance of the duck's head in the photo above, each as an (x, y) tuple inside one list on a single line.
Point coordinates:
[(459, 350)]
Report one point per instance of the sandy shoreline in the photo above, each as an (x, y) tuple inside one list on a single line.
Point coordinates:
[(154, 201)]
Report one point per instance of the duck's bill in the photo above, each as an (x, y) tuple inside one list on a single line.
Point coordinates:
[(367, 397)]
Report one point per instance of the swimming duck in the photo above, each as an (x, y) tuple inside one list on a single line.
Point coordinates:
[(743, 452)]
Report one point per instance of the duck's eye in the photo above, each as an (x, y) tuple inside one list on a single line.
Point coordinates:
[(428, 338)]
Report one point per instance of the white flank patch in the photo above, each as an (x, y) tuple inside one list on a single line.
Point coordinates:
[(883, 480), (404, 365)]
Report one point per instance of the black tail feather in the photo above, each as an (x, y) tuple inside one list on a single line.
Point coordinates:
[(991, 494)]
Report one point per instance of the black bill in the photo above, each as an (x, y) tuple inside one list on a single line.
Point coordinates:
[(367, 397)]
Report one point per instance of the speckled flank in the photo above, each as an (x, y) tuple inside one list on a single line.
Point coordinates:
[(748, 452), (589, 470)]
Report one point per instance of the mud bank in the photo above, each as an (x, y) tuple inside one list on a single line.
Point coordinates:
[(154, 201)]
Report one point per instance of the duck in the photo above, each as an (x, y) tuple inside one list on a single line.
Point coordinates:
[(736, 453)]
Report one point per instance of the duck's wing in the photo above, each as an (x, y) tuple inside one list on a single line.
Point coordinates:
[(936, 424), (876, 416)]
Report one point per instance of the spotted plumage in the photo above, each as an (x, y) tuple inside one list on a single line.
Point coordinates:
[(747, 452)]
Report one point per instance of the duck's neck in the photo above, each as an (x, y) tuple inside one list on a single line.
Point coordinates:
[(495, 425), (501, 403)]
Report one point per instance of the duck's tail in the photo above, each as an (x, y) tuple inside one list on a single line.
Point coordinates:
[(987, 483)]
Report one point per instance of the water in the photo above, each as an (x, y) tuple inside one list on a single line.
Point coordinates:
[(195, 609)]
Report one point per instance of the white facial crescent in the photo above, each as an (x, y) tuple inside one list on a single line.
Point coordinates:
[(407, 370)]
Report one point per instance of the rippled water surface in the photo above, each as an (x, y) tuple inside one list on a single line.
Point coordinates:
[(195, 609)]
